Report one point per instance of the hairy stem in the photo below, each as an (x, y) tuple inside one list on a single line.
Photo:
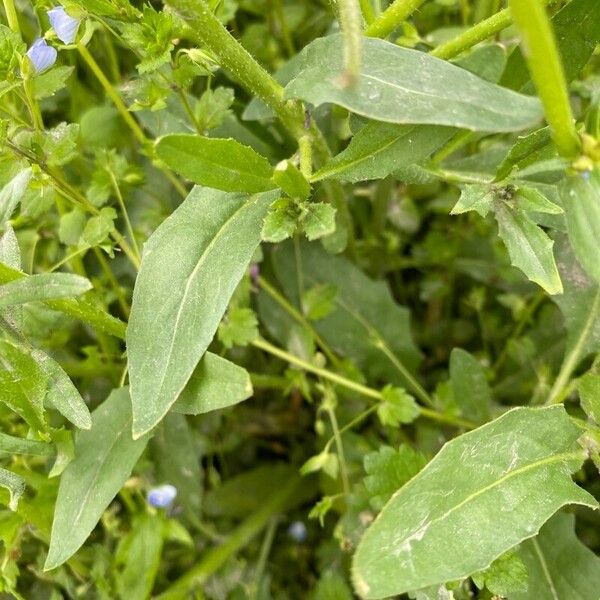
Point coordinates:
[(547, 72), (393, 17), (478, 33)]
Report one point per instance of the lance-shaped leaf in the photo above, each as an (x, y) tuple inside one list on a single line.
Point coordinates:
[(529, 247), (365, 324), (12, 192), (223, 164), (104, 458), (559, 566), (581, 202), (485, 492), (62, 393), (190, 268), (379, 149), (216, 383), (47, 286), (398, 85), (14, 445)]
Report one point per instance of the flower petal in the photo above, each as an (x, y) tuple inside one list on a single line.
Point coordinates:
[(41, 55), (64, 25)]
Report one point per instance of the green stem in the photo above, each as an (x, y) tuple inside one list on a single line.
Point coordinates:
[(121, 202), (208, 31), (339, 445), (112, 94), (367, 11), (305, 151), (215, 558), (352, 385), (351, 24), (293, 312), (76, 308), (392, 17), (573, 357), (478, 33), (418, 389), (11, 16), (547, 72)]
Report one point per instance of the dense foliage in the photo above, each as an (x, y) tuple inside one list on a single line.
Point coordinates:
[(300, 299)]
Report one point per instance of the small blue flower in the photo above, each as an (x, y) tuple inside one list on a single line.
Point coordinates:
[(587, 175), (162, 496), (65, 26), (297, 531), (41, 55)]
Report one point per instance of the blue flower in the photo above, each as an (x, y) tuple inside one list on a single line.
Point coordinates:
[(65, 26), (41, 55), (297, 531), (162, 496)]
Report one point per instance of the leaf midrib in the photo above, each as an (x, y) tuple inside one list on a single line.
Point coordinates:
[(562, 457), (252, 200)]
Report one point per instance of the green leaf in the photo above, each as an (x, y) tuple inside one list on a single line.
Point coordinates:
[(579, 304), (223, 164), (71, 227), (506, 576), (559, 566), (589, 392), (99, 227), (48, 83), (46, 286), (190, 268), (10, 253), (332, 586), (477, 197), (12, 192), (471, 390), (388, 470), (104, 458), (22, 385), (215, 383), (397, 407), (14, 445), (581, 202), (281, 221), (289, 178), (177, 460), (500, 484), (245, 493), (366, 324), (398, 85), (62, 394), (318, 220), (238, 328), (318, 301), (530, 199), (15, 486), (139, 554), (524, 152), (379, 149), (529, 247), (487, 62)]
